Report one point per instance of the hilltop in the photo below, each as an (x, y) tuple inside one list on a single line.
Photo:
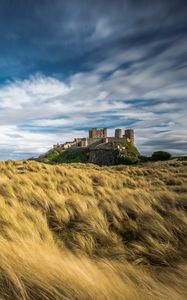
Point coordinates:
[(111, 153), (98, 148), (80, 231)]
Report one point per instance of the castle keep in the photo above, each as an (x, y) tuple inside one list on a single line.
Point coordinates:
[(98, 133), (98, 137)]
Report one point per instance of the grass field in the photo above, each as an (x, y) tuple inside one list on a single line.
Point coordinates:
[(81, 231)]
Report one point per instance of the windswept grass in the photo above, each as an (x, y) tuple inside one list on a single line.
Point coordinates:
[(81, 231)]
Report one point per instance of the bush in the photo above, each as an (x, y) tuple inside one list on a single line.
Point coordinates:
[(160, 155), (144, 158), (127, 160)]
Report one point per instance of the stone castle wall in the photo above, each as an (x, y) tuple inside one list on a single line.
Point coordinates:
[(99, 136)]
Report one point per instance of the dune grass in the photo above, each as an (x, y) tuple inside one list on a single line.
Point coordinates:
[(80, 231)]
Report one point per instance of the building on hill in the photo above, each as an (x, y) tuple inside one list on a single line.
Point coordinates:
[(118, 133), (99, 136), (98, 133), (129, 135)]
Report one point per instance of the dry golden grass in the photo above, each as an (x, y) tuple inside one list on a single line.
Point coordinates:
[(88, 232)]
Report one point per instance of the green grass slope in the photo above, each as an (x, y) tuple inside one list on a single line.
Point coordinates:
[(67, 156), (128, 156)]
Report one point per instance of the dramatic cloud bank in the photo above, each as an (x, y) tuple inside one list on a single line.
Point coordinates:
[(103, 64)]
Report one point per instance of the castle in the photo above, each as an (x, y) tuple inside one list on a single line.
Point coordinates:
[(99, 137)]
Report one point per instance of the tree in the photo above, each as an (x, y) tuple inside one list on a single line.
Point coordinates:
[(160, 155)]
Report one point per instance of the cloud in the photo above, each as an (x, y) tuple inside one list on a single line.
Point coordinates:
[(68, 66), (42, 110), (68, 36)]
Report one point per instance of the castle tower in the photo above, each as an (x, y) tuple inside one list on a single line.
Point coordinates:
[(104, 132), (98, 133), (118, 133), (84, 142), (129, 134), (92, 133)]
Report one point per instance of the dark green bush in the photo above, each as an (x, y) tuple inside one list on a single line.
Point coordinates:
[(160, 155), (144, 158), (127, 160)]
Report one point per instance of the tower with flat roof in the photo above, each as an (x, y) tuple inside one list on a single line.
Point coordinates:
[(118, 133), (129, 134)]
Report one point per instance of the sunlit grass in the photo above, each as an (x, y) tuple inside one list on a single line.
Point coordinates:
[(81, 231)]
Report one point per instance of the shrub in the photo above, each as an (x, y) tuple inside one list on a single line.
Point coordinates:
[(127, 160), (160, 155), (144, 158)]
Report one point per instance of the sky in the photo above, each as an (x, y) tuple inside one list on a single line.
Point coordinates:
[(67, 66)]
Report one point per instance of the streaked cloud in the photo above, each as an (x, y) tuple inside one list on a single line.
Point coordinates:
[(68, 66)]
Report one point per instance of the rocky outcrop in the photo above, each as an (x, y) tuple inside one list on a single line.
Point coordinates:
[(111, 153), (103, 157)]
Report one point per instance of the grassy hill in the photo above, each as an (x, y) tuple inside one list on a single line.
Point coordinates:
[(81, 231), (120, 153), (66, 156)]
